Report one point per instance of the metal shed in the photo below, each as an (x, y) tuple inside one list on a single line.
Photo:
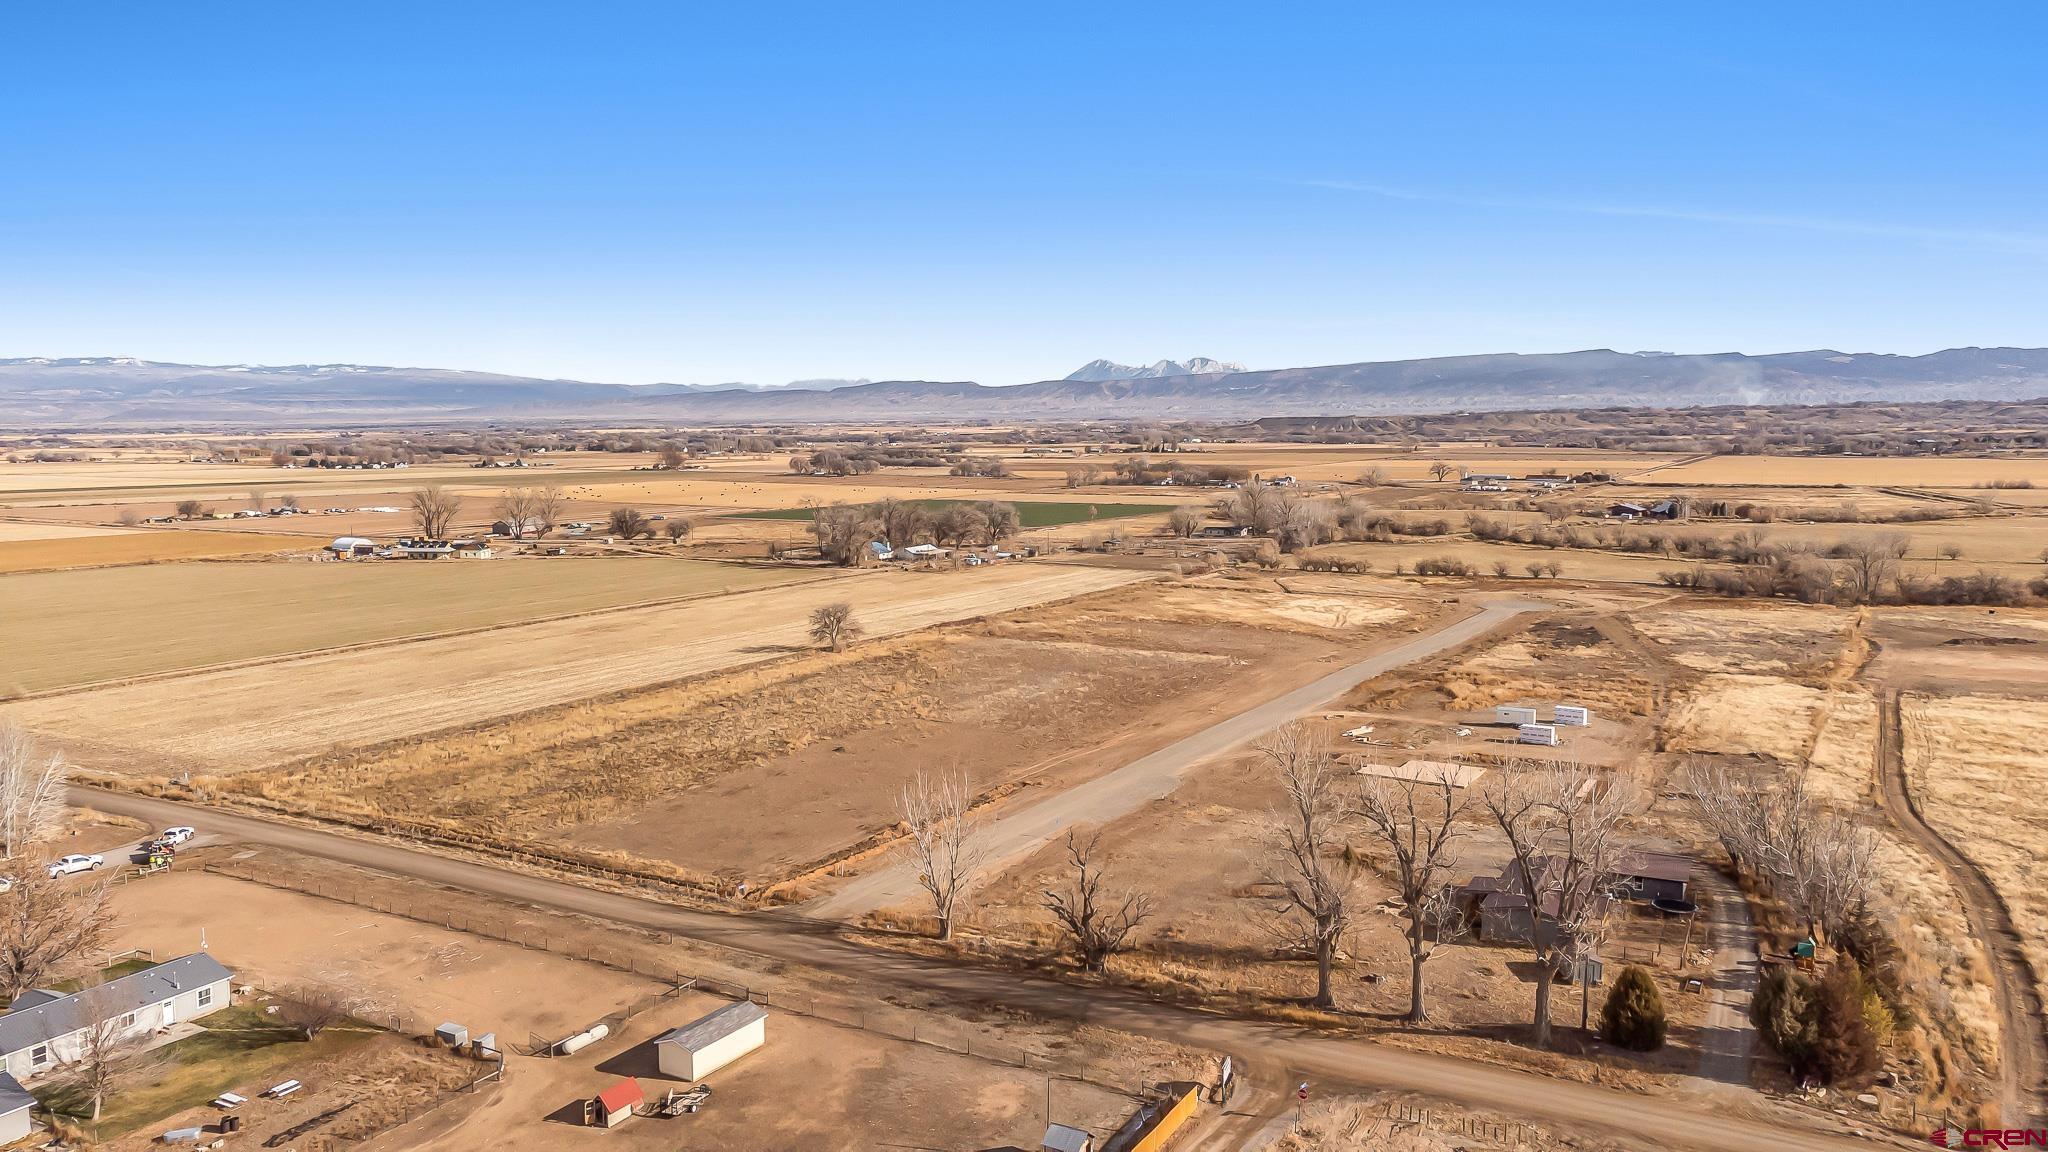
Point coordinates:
[(703, 1046)]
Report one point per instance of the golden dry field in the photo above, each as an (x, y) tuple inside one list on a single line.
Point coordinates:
[(249, 716), (71, 628), (142, 547)]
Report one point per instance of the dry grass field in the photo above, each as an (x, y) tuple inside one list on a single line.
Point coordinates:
[(1872, 471), (251, 716), (37, 555), (1977, 764), (71, 628), (826, 741), (16, 531)]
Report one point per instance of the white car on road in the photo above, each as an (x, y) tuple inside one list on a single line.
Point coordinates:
[(66, 865), (177, 835)]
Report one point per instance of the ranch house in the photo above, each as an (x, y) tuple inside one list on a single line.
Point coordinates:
[(44, 1030)]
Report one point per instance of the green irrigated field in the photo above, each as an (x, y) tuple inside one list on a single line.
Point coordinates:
[(1031, 513), (69, 628)]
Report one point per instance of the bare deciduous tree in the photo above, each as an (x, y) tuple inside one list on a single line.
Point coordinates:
[(678, 529), (1561, 823), (1309, 829), (628, 524), (1870, 568), (945, 845), (671, 455), (46, 927), (1096, 923), (1184, 521), (108, 1039), (433, 510), (311, 1008), (1440, 470), (515, 508), (833, 625), (1417, 821), (1818, 861), (31, 790), (547, 508)]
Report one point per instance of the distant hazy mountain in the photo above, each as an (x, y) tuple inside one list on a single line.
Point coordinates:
[(126, 393), (1098, 370)]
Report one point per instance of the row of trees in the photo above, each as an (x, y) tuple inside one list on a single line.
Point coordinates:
[(843, 531), (1561, 823)]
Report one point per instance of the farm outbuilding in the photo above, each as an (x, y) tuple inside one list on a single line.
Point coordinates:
[(703, 1046), (615, 1104), (352, 546), (1655, 876)]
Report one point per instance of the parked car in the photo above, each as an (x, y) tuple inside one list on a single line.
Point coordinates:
[(66, 865), (177, 835)]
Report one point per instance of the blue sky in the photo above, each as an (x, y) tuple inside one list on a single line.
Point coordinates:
[(766, 192)]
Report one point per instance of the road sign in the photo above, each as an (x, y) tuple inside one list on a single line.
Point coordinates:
[(1301, 1093)]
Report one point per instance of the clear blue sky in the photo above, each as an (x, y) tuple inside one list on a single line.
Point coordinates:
[(763, 192)]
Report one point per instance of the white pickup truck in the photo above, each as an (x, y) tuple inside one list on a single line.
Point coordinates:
[(66, 865)]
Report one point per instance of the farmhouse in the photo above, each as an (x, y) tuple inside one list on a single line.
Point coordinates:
[(14, 1105), (423, 549), (44, 1030), (705, 1045), (1654, 876)]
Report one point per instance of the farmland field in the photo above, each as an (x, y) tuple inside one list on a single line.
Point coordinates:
[(69, 628), (1031, 513), (245, 717), (16, 531), (139, 548)]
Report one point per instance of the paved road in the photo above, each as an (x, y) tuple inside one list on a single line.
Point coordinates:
[(2024, 1047), (1149, 778)]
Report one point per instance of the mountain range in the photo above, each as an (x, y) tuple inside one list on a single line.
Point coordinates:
[(119, 392), (1097, 370)]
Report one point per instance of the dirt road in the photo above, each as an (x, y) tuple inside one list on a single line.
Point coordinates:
[(1149, 778), (1581, 1107), (1728, 1043), (247, 717), (2023, 1047)]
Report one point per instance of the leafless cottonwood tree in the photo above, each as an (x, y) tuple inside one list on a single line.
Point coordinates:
[(108, 1040), (1184, 521), (547, 508), (1818, 861), (1561, 822), (1309, 829), (833, 625), (1417, 820), (1870, 566), (515, 508), (46, 927), (946, 844), (433, 510), (31, 790), (678, 529), (1440, 470), (1096, 922)]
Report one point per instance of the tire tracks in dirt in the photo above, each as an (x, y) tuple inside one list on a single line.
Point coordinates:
[(2023, 1054)]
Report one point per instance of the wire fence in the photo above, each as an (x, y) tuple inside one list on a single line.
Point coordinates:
[(875, 1017)]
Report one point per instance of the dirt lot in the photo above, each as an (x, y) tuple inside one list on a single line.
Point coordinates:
[(813, 1085), (1039, 697), (81, 627), (404, 972), (237, 719)]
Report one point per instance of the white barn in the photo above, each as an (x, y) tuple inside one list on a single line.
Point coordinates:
[(42, 1030), (702, 1047)]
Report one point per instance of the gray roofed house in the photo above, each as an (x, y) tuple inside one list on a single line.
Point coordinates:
[(45, 1034), (14, 1105)]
